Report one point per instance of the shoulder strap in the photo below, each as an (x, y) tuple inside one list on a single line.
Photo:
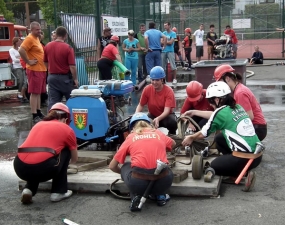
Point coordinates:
[(36, 149)]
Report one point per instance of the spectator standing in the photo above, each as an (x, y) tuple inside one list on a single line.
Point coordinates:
[(234, 39), (18, 70), (142, 72), (198, 41), (257, 56), (33, 54), (103, 41), (152, 39), (211, 37), (187, 44), (60, 60), (131, 46), (168, 51), (178, 46), (53, 35)]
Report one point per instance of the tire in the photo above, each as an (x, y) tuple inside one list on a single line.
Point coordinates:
[(197, 167)]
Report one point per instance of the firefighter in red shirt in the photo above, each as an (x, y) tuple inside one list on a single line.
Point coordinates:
[(109, 55), (160, 101), (145, 145), (46, 153), (196, 100)]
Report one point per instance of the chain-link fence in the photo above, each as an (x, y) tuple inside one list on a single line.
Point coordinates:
[(251, 22)]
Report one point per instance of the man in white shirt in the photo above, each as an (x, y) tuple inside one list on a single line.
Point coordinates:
[(198, 41)]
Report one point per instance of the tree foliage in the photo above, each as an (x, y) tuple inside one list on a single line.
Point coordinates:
[(19, 9), (48, 8), (8, 14)]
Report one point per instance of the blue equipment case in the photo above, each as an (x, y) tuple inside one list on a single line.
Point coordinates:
[(88, 113), (112, 87)]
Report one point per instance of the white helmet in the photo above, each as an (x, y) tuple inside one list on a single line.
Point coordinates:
[(218, 89)]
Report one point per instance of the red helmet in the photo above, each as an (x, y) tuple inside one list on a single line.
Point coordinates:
[(115, 38), (61, 107), (194, 90), (174, 29), (221, 70), (187, 30)]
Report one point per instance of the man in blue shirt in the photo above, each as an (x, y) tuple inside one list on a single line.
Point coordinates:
[(152, 39), (168, 50)]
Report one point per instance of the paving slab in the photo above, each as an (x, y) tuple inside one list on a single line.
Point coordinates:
[(101, 179)]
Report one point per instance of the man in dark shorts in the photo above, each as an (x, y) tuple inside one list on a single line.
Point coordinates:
[(198, 41), (211, 37)]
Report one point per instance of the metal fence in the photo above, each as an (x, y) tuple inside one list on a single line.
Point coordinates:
[(252, 22)]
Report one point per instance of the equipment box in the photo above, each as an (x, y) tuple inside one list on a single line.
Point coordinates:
[(112, 87), (5, 71), (204, 70)]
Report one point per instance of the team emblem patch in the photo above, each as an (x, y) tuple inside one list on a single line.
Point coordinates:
[(80, 118)]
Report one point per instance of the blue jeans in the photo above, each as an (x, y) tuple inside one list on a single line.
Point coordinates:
[(132, 65), (152, 59)]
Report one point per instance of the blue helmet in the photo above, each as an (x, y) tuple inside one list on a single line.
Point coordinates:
[(138, 116), (157, 72)]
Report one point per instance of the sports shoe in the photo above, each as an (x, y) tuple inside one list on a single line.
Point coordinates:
[(56, 197), (27, 196), (161, 200), (37, 119), (174, 81), (189, 69), (249, 181), (24, 100)]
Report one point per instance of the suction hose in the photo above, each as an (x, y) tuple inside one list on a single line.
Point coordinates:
[(122, 67)]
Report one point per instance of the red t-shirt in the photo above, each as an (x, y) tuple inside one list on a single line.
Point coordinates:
[(110, 52), (144, 149), (187, 42), (157, 101), (59, 57), (51, 134), (233, 36), (247, 100), (202, 104)]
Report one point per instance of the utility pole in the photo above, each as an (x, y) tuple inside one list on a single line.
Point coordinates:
[(27, 10)]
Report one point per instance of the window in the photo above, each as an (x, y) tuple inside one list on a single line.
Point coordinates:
[(4, 33), (266, 1)]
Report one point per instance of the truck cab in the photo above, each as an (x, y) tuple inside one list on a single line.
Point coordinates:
[(7, 32)]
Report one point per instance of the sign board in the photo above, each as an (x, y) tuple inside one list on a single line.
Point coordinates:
[(81, 29), (118, 25), (164, 8), (241, 23)]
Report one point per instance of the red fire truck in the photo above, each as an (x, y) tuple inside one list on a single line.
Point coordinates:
[(7, 32)]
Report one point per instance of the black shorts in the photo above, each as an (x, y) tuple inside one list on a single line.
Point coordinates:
[(199, 51)]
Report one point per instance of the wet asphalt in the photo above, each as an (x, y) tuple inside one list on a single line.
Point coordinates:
[(264, 205)]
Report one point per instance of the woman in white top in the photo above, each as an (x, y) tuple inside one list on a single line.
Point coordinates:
[(18, 70)]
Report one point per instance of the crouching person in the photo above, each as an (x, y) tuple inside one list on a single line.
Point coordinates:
[(46, 154), (237, 135), (145, 145)]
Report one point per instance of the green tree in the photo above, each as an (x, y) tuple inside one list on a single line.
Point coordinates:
[(75, 6), (19, 9), (9, 16)]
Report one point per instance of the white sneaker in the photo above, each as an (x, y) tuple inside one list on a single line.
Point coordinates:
[(26, 196), (174, 81), (56, 197)]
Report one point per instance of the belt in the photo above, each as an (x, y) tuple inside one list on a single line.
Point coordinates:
[(60, 74), (36, 149), (246, 155), (156, 50), (144, 176), (260, 125)]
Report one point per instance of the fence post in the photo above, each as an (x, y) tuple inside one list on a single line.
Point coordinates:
[(98, 19), (283, 27), (55, 12)]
